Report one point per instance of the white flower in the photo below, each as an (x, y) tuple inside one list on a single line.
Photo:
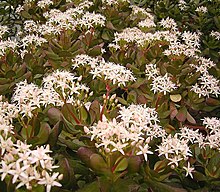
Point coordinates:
[(35, 40), (44, 3), (130, 128), (26, 97), (168, 23), (3, 30), (147, 23), (91, 20), (215, 34), (19, 171), (40, 155), (201, 9), (30, 26), (5, 168), (212, 123), (191, 39), (174, 149), (144, 150), (163, 84), (207, 85), (189, 170), (50, 181)]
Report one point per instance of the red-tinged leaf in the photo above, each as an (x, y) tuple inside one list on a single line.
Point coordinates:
[(182, 114), (84, 154), (54, 115), (173, 111), (212, 102), (134, 164), (141, 99)]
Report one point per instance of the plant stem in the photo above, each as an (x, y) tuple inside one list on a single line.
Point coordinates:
[(108, 89), (73, 115)]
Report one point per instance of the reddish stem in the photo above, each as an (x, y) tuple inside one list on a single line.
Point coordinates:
[(104, 105), (73, 115), (157, 102), (195, 127)]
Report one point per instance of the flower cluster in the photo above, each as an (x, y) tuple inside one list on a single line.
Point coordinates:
[(207, 84), (215, 34), (3, 30), (213, 127), (57, 88), (90, 20), (131, 131), (201, 9), (27, 98), (113, 2), (62, 87), (115, 73), (27, 167), (44, 3), (174, 149), (6, 45), (159, 83)]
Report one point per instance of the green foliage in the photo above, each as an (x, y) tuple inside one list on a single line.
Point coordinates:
[(86, 167)]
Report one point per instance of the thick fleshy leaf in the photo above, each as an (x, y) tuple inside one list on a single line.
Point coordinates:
[(190, 118), (121, 165), (84, 154), (54, 134), (176, 98), (94, 111), (134, 164), (181, 115), (54, 115), (44, 133), (98, 164)]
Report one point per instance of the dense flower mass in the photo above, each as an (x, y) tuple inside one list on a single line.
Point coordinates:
[(161, 84), (28, 167), (57, 88), (132, 130), (109, 95), (109, 71)]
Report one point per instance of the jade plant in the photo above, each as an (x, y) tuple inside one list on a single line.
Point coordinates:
[(111, 95)]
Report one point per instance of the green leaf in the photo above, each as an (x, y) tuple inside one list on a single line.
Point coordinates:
[(132, 97), (99, 165), (67, 171), (10, 74), (162, 187), (56, 130), (92, 187), (160, 166), (44, 133), (190, 118), (121, 165), (122, 101), (94, 111), (84, 114)]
